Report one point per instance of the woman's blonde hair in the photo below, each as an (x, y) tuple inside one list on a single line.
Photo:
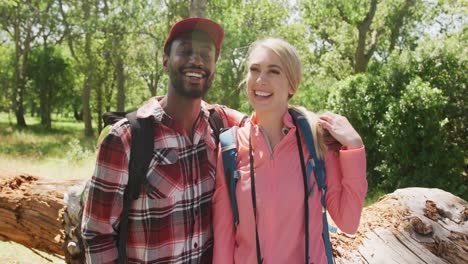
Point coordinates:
[(317, 131), (288, 55)]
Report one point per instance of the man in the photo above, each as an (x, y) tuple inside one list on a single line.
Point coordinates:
[(170, 222)]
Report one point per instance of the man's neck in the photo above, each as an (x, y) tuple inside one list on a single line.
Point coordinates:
[(183, 110)]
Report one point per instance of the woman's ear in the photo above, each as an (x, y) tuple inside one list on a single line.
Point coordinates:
[(290, 92)]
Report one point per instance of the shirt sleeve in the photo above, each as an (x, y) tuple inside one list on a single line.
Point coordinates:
[(103, 199), (347, 187), (223, 225)]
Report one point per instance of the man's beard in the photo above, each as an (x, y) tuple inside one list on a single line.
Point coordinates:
[(177, 81)]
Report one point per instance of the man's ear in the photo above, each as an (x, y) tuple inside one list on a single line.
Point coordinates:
[(165, 59)]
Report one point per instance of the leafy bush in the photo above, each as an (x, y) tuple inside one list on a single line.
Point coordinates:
[(415, 147), (77, 152), (412, 120), (363, 99)]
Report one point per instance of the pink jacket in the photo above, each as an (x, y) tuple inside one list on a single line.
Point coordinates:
[(280, 200)]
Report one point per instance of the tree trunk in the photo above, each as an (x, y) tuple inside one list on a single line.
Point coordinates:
[(21, 54), (413, 225), (362, 57), (99, 104), (400, 18), (86, 94), (197, 8), (120, 74), (46, 111)]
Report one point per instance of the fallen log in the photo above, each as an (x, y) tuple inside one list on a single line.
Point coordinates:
[(412, 225), (31, 212)]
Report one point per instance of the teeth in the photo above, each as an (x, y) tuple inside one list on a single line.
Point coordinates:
[(193, 74), (262, 93)]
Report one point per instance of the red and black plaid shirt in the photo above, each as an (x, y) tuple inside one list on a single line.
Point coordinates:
[(171, 220)]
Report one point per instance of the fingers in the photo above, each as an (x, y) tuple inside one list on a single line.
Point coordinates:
[(325, 124), (327, 116), (331, 142)]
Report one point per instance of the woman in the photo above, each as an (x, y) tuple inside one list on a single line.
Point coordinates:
[(273, 76)]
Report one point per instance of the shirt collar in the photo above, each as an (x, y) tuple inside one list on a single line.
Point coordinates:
[(255, 129), (153, 108)]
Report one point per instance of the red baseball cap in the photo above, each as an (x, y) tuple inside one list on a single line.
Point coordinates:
[(213, 29)]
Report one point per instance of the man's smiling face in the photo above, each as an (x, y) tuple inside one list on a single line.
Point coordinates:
[(191, 64)]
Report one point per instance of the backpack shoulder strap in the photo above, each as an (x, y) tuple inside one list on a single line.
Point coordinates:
[(216, 123), (318, 167), (141, 153), (229, 153), (314, 164), (110, 118)]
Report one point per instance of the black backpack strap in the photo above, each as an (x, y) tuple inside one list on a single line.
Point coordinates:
[(141, 153), (110, 118), (216, 123)]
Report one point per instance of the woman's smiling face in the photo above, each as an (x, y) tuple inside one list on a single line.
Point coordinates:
[(267, 85)]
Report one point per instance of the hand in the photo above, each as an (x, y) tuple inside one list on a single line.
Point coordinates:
[(331, 143), (339, 128)]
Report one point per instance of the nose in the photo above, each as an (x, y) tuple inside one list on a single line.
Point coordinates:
[(261, 78), (195, 58)]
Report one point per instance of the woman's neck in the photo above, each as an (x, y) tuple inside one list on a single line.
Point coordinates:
[(272, 124)]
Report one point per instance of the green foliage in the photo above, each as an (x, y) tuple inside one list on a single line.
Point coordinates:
[(363, 99), (52, 79), (6, 77), (444, 64), (77, 152), (409, 112), (415, 147), (334, 30)]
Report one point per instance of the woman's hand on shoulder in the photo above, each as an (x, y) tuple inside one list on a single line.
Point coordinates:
[(340, 128)]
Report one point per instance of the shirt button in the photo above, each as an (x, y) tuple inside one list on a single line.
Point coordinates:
[(195, 245)]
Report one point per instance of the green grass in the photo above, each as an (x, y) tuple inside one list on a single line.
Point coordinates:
[(35, 141)]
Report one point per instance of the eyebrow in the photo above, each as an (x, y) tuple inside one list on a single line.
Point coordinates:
[(268, 66)]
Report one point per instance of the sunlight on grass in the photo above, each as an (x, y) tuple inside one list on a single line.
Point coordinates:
[(64, 140), (49, 168), (13, 253)]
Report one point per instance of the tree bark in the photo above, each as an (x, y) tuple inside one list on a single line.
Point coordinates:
[(32, 212), (401, 15), (86, 93), (120, 74), (198, 8), (412, 225), (362, 57), (21, 59)]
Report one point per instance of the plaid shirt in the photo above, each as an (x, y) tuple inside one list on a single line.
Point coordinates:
[(171, 221)]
